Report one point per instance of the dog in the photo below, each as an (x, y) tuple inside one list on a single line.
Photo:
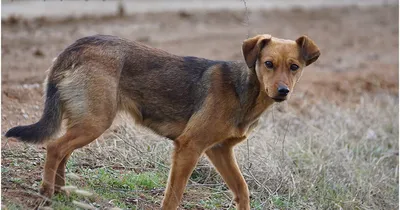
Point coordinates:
[(204, 106)]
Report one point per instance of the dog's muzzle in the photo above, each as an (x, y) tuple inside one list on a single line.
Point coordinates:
[(283, 92)]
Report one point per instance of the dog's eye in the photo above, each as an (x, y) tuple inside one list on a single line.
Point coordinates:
[(294, 67), (269, 64)]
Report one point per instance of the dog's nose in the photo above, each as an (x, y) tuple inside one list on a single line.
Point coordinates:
[(283, 90)]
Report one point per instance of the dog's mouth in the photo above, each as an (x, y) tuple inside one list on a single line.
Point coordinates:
[(276, 99)]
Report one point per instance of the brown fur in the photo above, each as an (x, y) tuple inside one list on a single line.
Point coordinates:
[(204, 106)]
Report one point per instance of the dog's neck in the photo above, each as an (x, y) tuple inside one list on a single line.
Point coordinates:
[(255, 101)]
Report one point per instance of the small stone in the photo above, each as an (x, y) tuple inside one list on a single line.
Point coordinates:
[(371, 134), (38, 53)]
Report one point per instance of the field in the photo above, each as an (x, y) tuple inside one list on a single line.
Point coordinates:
[(333, 145)]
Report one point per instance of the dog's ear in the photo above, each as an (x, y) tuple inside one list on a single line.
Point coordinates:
[(308, 49), (251, 48)]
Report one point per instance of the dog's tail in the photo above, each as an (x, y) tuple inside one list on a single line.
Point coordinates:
[(47, 126)]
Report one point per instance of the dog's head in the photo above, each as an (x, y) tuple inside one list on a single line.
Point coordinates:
[(279, 63)]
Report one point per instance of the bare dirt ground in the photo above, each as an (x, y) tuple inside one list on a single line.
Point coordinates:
[(359, 55)]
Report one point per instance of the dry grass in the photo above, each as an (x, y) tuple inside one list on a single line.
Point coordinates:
[(312, 156), (329, 157)]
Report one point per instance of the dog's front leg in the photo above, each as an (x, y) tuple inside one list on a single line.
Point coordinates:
[(184, 159), (223, 159)]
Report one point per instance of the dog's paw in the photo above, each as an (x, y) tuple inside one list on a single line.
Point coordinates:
[(46, 191)]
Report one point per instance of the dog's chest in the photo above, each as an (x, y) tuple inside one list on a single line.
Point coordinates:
[(246, 129), (249, 119)]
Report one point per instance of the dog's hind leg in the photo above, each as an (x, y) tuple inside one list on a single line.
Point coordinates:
[(90, 105), (60, 175), (223, 158), (53, 160), (76, 137)]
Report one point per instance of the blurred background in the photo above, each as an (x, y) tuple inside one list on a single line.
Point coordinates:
[(333, 145), (34, 8)]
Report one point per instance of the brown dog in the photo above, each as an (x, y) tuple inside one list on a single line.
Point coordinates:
[(204, 106)]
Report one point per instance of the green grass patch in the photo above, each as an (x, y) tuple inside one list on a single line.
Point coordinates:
[(123, 188), (108, 178)]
